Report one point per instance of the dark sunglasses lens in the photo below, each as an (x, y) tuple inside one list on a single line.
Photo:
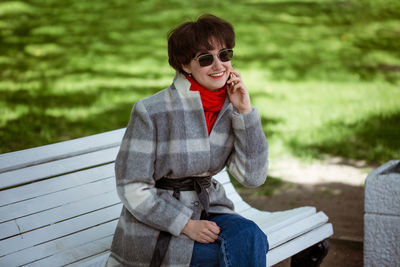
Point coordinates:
[(206, 60), (226, 55)]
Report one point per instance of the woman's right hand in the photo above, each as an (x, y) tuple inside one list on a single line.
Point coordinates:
[(201, 231)]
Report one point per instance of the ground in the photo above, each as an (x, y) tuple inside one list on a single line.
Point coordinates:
[(334, 186)]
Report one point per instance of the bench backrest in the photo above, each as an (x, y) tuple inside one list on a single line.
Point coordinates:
[(58, 199)]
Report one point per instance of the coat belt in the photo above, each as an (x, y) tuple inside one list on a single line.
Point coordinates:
[(198, 184)]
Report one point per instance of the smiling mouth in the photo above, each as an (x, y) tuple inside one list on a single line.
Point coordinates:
[(217, 75)]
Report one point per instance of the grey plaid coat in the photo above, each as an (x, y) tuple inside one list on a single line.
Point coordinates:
[(167, 137)]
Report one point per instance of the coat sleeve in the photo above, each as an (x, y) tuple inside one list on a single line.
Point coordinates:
[(134, 168), (248, 162)]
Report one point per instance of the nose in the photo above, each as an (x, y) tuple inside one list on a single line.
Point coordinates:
[(217, 63)]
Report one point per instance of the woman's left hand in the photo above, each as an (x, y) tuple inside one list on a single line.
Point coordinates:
[(238, 93)]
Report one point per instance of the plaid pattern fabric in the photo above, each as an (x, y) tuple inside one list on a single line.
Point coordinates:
[(167, 137)]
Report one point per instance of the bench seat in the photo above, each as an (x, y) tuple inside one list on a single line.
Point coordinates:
[(59, 206)]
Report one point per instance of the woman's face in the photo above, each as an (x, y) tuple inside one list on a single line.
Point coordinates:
[(211, 77)]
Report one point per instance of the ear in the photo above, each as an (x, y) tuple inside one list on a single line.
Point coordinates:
[(187, 69)]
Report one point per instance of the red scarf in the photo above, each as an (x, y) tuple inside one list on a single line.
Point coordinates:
[(212, 101)]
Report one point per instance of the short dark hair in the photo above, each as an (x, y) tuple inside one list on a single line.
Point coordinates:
[(189, 38)]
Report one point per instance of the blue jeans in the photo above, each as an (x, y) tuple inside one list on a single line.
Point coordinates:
[(240, 243)]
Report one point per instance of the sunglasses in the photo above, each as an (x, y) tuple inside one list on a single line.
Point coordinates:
[(207, 59)]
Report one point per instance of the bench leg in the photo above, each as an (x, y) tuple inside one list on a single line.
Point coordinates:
[(312, 256)]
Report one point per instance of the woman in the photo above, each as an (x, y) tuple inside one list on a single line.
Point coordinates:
[(174, 213)]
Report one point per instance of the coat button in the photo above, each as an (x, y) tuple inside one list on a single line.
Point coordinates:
[(196, 203)]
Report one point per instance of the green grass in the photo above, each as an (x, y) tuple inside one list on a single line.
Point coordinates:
[(356, 120), (324, 74)]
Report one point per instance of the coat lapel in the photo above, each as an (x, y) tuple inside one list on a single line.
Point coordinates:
[(191, 104), (194, 137), (225, 107), (191, 100)]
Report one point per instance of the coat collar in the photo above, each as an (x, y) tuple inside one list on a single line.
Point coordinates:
[(182, 85), (192, 98)]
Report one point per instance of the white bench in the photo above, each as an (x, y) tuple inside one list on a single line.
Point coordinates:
[(59, 206)]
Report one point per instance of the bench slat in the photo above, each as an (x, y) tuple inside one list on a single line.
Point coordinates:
[(70, 210), (291, 231), (56, 246), (272, 223), (78, 253), (8, 229), (241, 206), (56, 199), (253, 212), (276, 220), (38, 155), (58, 167), (60, 183), (58, 230), (298, 244), (229, 190), (222, 177)]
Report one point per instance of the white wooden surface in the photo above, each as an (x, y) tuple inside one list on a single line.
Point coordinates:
[(38, 155), (62, 208), (57, 167)]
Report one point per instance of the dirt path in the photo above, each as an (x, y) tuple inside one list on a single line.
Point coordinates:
[(329, 170), (334, 186)]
